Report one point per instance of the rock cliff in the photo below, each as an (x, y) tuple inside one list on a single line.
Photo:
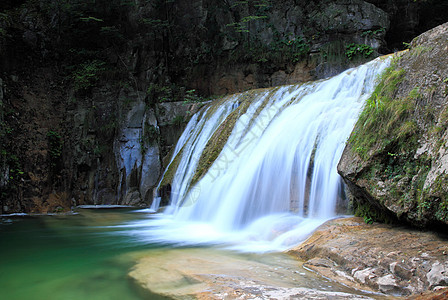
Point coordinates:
[(395, 162), (92, 95)]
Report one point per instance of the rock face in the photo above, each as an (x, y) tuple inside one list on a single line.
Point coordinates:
[(395, 163), (378, 258)]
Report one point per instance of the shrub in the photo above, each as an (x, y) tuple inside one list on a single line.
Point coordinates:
[(353, 50)]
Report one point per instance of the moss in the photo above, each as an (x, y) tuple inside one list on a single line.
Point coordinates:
[(168, 176), (418, 50), (435, 199), (384, 119), (215, 105), (387, 135), (220, 136), (260, 108), (370, 213)]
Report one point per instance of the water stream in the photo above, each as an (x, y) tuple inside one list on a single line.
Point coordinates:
[(275, 179), (272, 182), (89, 255)]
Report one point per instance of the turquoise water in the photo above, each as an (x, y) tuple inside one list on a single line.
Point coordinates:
[(68, 257), (89, 255)]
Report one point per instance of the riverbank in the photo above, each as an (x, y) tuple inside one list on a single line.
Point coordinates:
[(376, 257), (207, 273), (348, 259)]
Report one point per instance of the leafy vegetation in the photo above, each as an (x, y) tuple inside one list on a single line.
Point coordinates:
[(243, 25), (55, 145), (87, 74), (373, 32), (283, 48), (384, 119), (178, 121), (150, 136), (370, 213), (387, 137), (354, 50)]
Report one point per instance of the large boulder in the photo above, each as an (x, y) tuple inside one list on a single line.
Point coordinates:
[(396, 160)]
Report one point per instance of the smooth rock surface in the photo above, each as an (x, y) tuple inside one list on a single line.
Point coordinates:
[(214, 274)]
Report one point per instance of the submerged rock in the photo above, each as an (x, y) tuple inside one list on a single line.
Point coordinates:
[(212, 274)]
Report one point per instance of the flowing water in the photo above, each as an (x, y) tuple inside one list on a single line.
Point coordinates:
[(275, 179), (272, 183), (90, 255)]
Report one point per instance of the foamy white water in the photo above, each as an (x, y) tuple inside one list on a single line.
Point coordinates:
[(275, 180)]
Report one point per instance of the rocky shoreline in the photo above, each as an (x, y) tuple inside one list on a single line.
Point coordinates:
[(375, 257), (380, 261)]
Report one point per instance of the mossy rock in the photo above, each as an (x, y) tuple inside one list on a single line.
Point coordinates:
[(396, 158)]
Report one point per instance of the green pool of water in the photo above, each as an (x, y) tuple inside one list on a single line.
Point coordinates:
[(85, 256), (67, 257)]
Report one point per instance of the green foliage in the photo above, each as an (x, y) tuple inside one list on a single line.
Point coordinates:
[(434, 199), (355, 50), (90, 18), (108, 129), (159, 93), (55, 144), (243, 24), (15, 168), (295, 47), (371, 33), (387, 136), (333, 52), (257, 10), (370, 213), (384, 119), (280, 50), (87, 74), (442, 211), (420, 49), (112, 33), (191, 97), (178, 121), (99, 150), (150, 136)]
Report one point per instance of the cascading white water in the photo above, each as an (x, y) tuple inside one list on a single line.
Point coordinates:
[(275, 179)]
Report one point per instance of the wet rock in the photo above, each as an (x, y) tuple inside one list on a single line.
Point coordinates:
[(437, 294), (387, 284), (373, 261), (214, 274), (401, 271), (438, 274), (320, 262), (168, 111), (132, 198), (365, 275)]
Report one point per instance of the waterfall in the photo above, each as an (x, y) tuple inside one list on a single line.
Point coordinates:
[(257, 170)]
